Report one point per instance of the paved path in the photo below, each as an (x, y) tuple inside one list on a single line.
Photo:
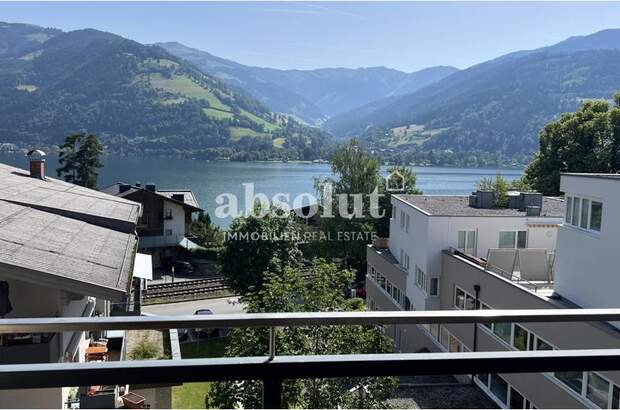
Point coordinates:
[(219, 305)]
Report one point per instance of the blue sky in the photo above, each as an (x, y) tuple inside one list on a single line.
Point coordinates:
[(405, 36)]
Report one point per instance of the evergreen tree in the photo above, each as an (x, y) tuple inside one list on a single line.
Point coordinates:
[(79, 159)]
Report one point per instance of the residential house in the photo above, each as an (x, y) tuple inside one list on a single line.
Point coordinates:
[(444, 254), (65, 251), (163, 228)]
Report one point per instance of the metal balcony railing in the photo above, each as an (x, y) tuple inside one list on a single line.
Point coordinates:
[(273, 369)]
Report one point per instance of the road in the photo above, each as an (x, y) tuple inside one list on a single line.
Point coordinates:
[(219, 305)]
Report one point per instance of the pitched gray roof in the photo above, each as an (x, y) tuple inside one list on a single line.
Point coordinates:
[(189, 198), (446, 205), (65, 236), (67, 199), (188, 195)]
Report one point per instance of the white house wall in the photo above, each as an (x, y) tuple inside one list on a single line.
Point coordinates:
[(579, 251), (177, 223)]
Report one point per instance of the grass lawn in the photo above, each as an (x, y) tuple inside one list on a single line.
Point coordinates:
[(192, 395), (217, 114), (184, 85), (238, 132), (269, 127), (213, 347), (279, 142)]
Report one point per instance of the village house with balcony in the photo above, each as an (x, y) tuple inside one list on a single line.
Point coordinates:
[(163, 229)]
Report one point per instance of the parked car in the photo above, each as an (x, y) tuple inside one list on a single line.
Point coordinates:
[(183, 268), (183, 334), (208, 332)]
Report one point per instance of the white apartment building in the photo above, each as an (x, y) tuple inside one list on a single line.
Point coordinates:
[(437, 259)]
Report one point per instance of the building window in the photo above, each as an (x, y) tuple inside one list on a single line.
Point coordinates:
[(445, 337), (615, 397), (168, 213), (407, 223), (574, 380), (520, 338), (420, 277), (598, 390), (513, 239), (402, 219), (503, 331), (585, 210), (576, 211), (596, 216), (168, 232), (499, 388), (467, 242), (517, 401), (584, 213), (459, 298), (394, 211), (433, 288), (569, 209)]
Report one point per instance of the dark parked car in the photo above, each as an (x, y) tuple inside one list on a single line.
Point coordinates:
[(209, 332), (183, 268)]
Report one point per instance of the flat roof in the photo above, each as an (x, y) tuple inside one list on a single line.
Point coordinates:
[(455, 205), (591, 175), (74, 201)]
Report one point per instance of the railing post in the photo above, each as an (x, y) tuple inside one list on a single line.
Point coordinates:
[(272, 393), (272, 343)]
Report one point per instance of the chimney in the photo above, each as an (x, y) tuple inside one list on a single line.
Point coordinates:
[(37, 163), (150, 187)]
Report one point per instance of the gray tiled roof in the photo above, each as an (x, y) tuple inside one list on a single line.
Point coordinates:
[(68, 199), (58, 234), (445, 205), (189, 198), (188, 195)]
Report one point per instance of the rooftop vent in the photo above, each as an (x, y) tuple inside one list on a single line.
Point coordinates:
[(37, 163), (150, 187), (532, 211), (482, 199), (123, 188), (530, 199)]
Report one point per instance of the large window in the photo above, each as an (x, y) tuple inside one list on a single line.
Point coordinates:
[(520, 338), (584, 213), (499, 387), (574, 380), (467, 242), (513, 239), (464, 300), (598, 390)]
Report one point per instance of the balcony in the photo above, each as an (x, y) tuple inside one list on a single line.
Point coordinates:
[(29, 348), (273, 369)]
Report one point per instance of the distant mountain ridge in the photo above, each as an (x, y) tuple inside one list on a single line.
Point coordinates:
[(312, 95), (137, 98), (496, 106)]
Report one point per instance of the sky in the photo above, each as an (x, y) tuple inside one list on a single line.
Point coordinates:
[(407, 36)]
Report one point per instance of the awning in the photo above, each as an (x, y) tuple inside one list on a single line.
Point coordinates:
[(143, 266)]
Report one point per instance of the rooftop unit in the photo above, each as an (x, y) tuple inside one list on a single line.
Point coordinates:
[(528, 202)]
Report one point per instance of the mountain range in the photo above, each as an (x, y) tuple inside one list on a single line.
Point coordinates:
[(496, 106), (312, 95), (171, 99), (137, 98)]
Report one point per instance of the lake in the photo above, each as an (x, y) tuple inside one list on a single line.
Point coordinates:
[(210, 179)]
